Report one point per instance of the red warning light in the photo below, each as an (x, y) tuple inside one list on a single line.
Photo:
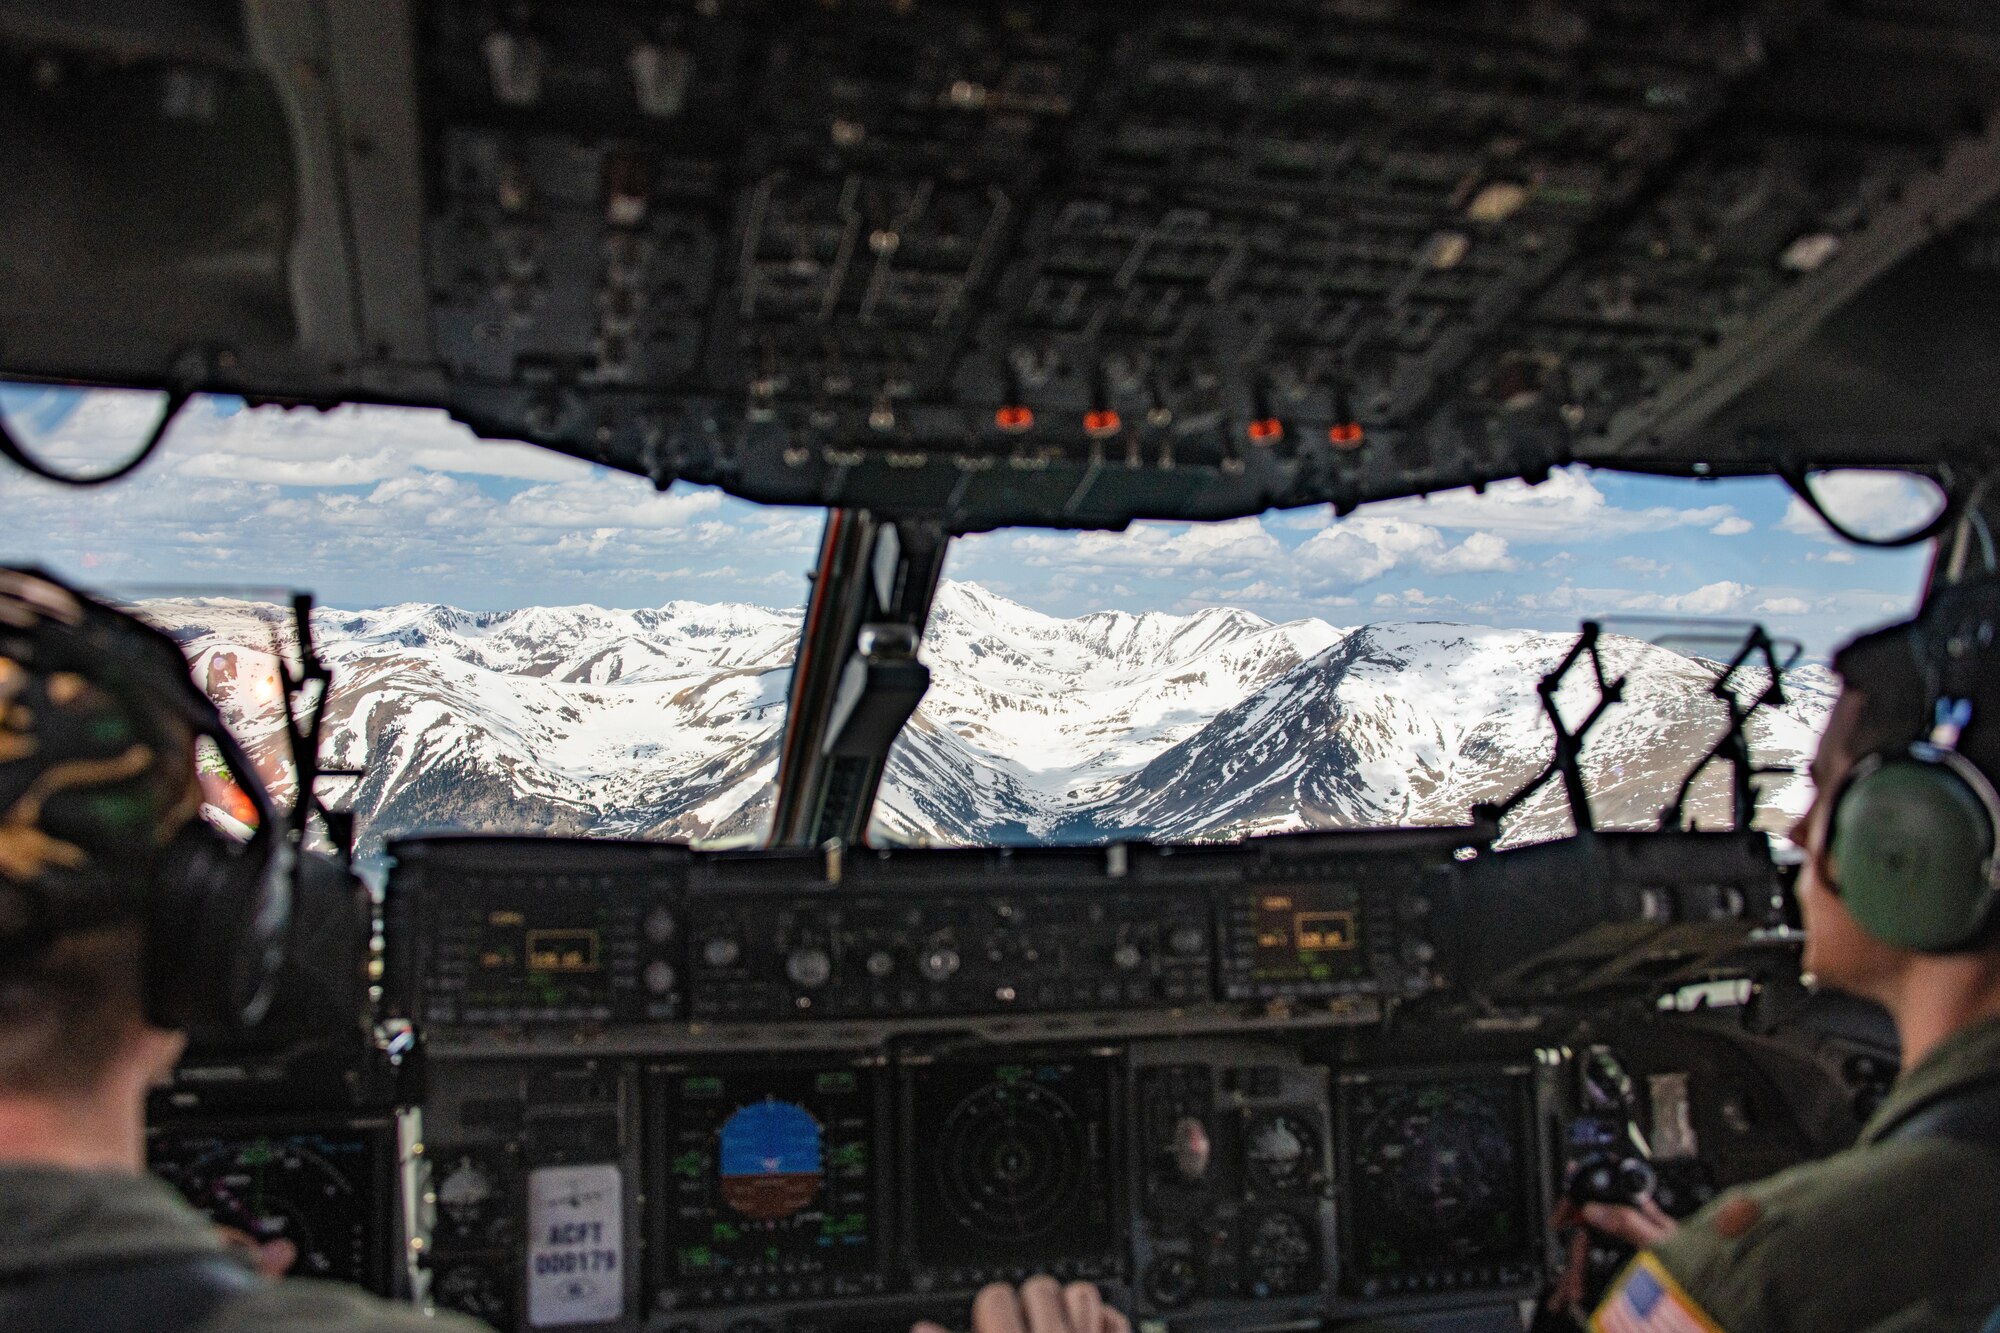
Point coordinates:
[(1346, 434), (1014, 419), (1266, 430), (1101, 423)]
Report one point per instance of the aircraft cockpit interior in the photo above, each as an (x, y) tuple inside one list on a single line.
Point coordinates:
[(1296, 978)]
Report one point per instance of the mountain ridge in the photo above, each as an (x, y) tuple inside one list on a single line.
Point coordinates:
[(665, 722)]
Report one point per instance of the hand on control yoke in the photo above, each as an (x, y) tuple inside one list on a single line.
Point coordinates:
[(1040, 1306), (1642, 1223)]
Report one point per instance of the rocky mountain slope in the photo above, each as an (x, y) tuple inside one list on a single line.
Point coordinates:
[(665, 722)]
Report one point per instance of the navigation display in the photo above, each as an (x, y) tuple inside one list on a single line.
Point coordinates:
[(1437, 1179), (329, 1191), (769, 1181), (1012, 1168)]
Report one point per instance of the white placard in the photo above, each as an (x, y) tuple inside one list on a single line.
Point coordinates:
[(576, 1245)]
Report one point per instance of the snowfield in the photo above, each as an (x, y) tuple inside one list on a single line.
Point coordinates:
[(665, 723)]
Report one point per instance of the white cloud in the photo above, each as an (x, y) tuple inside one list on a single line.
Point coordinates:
[(1637, 564), (1477, 554), (1733, 526), (1710, 600), (1356, 550), (1365, 546), (1866, 502), (403, 504), (1568, 507), (353, 445), (1839, 555), (1240, 547), (608, 500), (1784, 606)]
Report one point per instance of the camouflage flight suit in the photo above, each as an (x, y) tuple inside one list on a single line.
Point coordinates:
[(53, 1219), (1889, 1237)]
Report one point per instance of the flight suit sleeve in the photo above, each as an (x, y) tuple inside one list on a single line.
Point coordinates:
[(1851, 1242)]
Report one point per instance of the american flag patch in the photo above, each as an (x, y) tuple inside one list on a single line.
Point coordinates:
[(1648, 1300)]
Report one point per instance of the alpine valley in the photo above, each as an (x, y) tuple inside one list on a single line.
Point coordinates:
[(665, 723)]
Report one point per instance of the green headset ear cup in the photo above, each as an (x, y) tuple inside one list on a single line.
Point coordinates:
[(1911, 852)]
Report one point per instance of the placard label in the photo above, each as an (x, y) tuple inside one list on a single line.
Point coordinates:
[(576, 1245)]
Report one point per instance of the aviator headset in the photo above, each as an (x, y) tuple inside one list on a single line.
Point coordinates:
[(1912, 839), (214, 911)]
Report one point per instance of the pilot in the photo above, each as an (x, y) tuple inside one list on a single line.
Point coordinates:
[(1901, 1231), (98, 788)]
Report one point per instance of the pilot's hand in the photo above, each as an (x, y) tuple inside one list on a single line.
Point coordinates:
[(274, 1258), (1040, 1306), (1642, 1225)]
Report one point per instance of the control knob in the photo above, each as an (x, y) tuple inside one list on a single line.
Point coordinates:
[(1279, 1253), (659, 976), (1171, 1280), (809, 968), (1192, 1148), (940, 963), (1127, 956), (659, 925), (1607, 1178), (1187, 940), (881, 963), (721, 952), (1281, 1150)]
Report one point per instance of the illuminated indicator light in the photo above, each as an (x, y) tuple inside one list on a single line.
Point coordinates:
[(1444, 250), (1497, 202), (1014, 420), (1346, 434), (1266, 430), (1100, 423), (1808, 253)]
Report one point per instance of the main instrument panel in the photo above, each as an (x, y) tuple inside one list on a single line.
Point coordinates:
[(750, 1094), (1192, 1181), (643, 1087)]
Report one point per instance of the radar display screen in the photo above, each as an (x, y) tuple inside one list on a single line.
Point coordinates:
[(769, 1181), (1437, 1182), (1012, 1168), (330, 1191)]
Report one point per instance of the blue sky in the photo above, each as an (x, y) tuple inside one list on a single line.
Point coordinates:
[(366, 506)]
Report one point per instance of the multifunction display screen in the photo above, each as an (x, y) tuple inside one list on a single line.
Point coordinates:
[(327, 1191), (1438, 1182), (1300, 935), (1012, 1168), (769, 1181), (505, 963)]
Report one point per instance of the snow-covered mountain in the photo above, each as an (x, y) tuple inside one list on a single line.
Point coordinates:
[(665, 723)]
